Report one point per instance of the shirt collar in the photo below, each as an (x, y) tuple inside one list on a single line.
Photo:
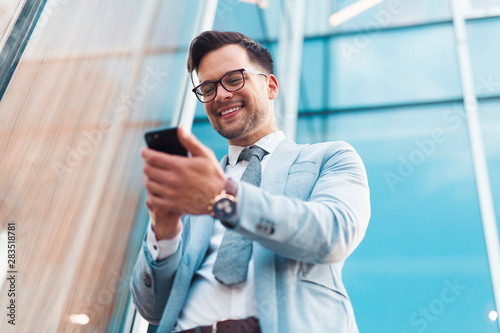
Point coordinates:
[(269, 143)]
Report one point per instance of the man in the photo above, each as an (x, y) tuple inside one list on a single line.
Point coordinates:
[(286, 215)]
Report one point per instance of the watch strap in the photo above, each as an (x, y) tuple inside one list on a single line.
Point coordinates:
[(231, 187)]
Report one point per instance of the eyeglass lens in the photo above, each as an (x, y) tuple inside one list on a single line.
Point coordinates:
[(231, 82)]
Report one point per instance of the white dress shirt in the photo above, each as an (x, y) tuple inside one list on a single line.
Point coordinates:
[(208, 300)]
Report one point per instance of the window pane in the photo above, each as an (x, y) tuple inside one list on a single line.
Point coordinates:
[(205, 132), (157, 93), (489, 113), (234, 15), (398, 66), (423, 261), (175, 23), (484, 3), (484, 55), (314, 80), (389, 13)]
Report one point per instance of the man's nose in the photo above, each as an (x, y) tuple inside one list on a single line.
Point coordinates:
[(222, 93)]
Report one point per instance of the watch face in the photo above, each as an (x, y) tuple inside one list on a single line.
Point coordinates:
[(224, 209)]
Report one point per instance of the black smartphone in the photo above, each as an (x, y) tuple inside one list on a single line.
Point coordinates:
[(165, 140)]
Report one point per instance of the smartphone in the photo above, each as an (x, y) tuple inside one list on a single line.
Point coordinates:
[(165, 140)]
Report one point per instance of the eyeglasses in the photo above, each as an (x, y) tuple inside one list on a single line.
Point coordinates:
[(232, 81)]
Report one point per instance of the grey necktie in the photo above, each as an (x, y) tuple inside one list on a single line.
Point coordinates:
[(235, 251)]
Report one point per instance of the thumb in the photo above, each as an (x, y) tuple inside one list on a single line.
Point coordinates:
[(191, 142)]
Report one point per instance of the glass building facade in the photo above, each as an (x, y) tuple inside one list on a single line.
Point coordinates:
[(403, 82)]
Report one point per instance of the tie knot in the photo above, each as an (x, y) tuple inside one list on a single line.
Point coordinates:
[(248, 152)]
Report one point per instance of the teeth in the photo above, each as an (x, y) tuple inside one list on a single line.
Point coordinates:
[(223, 113)]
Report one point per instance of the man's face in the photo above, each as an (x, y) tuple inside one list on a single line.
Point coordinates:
[(246, 115)]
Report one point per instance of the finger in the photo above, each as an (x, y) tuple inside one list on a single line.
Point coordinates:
[(163, 177), (164, 203), (155, 189), (191, 142), (161, 160)]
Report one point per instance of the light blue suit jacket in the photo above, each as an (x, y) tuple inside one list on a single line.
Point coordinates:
[(308, 216)]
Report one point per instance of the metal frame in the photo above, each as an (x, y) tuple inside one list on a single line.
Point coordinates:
[(18, 38), (459, 9), (290, 47)]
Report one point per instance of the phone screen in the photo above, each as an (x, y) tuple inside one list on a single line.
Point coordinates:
[(165, 140)]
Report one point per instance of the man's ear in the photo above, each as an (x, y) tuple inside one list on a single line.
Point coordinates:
[(273, 87)]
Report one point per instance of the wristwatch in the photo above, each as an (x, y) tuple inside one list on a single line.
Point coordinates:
[(223, 206)]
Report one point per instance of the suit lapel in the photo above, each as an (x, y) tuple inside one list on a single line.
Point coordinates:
[(223, 162), (276, 172)]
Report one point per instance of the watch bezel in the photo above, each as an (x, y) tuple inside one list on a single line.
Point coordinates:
[(226, 219)]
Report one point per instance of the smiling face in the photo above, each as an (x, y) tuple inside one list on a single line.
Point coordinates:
[(246, 115)]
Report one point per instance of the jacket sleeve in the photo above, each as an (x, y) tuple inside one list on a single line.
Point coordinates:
[(327, 227), (151, 283)]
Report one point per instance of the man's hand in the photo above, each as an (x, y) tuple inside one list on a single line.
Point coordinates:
[(179, 185)]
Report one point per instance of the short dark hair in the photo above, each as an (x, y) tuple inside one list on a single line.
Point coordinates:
[(213, 40)]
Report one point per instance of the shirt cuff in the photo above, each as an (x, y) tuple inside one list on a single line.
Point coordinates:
[(164, 248)]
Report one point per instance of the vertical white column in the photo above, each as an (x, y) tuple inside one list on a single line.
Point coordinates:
[(289, 65), (184, 113), (476, 142)]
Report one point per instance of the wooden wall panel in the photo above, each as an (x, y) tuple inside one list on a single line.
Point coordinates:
[(52, 144), (101, 276), (67, 104)]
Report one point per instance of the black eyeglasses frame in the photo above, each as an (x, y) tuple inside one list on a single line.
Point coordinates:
[(219, 81)]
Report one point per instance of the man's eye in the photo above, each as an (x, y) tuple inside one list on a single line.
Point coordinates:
[(207, 91), (235, 81)]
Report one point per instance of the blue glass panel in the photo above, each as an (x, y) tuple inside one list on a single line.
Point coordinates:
[(389, 13), (422, 265), (205, 132), (397, 66), (397, 13), (156, 95), (484, 55), (174, 26), (272, 19), (313, 76), (200, 111), (485, 3), (489, 113), (317, 15), (233, 15)]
